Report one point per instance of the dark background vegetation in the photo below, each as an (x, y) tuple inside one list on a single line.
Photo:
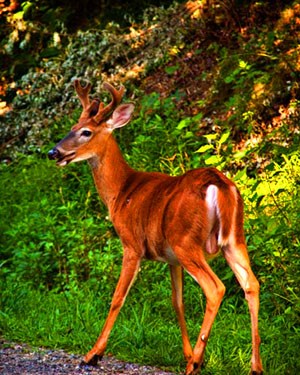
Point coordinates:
[(215, 83)]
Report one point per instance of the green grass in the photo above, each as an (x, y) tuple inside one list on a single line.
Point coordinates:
[(146, 332)]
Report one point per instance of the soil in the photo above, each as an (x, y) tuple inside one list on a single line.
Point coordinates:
[(21, 359)]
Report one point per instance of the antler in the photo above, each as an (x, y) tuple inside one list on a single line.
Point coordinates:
[(83, 94), (117, 96)]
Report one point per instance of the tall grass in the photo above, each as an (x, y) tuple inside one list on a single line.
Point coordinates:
[(144, 333)]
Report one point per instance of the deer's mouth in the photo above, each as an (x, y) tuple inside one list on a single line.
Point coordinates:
[(65, 159)]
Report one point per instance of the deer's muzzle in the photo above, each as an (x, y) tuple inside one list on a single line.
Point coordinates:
[(61, 158), (54, 154)]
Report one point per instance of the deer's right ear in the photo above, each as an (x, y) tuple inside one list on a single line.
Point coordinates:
[(121, 116)]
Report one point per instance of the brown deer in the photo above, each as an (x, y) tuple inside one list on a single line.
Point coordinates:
[(180, 220)]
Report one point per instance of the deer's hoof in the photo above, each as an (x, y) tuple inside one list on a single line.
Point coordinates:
[(91, 361), (192, 368)]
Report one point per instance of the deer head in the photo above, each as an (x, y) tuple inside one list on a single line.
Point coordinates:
[(96, 122)]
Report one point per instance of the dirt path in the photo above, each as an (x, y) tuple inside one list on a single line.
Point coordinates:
[(21, 359)]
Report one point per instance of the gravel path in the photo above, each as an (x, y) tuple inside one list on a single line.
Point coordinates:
[(21, 359)]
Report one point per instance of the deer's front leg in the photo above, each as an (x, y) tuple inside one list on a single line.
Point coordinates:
[(130, 266)]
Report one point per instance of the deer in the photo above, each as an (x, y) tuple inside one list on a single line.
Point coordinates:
[(181, 220)]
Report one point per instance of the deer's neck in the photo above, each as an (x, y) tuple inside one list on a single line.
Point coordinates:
[(110, 171)]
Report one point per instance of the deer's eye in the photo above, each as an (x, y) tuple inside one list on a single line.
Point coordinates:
[(86, 133)]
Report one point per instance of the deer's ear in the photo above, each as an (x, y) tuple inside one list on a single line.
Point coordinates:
[(121, 116)]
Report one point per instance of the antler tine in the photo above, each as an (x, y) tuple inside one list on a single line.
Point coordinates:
[(83, 93), (117, 96)]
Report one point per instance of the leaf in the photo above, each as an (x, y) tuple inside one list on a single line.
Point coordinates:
[(263, 189), (26, 6), (244, 65), (18, 15), (204, 148), (183, 124), (224, 138), (241, 175), (171, 69), (212, 160), (188, 135), (49, 52), (228, 79), (240, 154), (211, 137)]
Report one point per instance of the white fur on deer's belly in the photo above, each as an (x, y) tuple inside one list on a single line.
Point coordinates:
[(169, 257)]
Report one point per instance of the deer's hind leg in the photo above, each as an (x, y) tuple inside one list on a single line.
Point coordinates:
[(213, 288), (237, 258)]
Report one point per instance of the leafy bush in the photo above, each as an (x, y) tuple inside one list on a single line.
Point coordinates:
[(275, 233), (57, 237), (46, 94)]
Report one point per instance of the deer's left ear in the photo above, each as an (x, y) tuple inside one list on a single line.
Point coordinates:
[(121, 116)]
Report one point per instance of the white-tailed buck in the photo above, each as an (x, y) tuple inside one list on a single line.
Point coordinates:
[(179, 220)]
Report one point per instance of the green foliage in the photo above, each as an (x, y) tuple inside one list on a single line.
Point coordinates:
[(159, 120), (275, 198), (49, 94), (40, 29), (60, 257), (253, 79), (215, 152), (46, 244)]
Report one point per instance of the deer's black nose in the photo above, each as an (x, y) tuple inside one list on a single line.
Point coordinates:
[(53, 154)]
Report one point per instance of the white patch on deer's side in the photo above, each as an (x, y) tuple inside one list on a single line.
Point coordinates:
[(211, 200)]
